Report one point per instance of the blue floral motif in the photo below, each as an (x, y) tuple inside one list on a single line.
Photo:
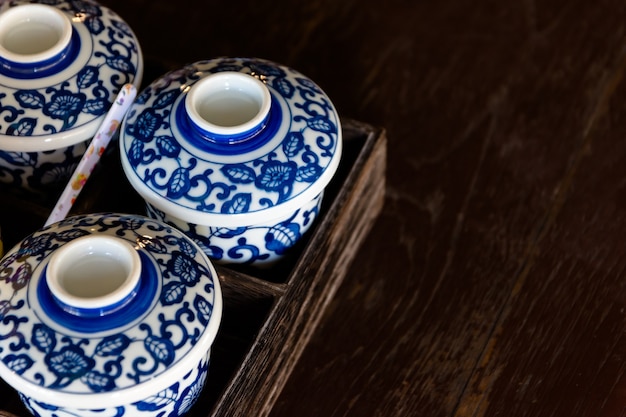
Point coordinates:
[(277, 176), (148, 122), (239, 173), (168, 146), (37, 246), (230, 244), (44, 338), (10, 112), (69, 364), (192, 392), (188, 273), (87, 76), (161, 349), (65, 106), (23, 127), (160, 400), (282, 236), (240, 203), (30, 99), (173, 293), (18, 363), (293, 144), (204, 309), (99, 382), (285, 87), (21, 159), (21, 277), (185, 268), (113, 345), (179, 183)]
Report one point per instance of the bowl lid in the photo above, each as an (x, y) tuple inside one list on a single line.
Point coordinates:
[(104, 309), (61, 65), (230, 141)]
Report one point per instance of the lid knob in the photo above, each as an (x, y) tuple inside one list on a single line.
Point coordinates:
[(228, 106), (94, 275), (33, 33)]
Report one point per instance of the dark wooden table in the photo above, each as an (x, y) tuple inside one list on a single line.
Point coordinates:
[(493, 282)]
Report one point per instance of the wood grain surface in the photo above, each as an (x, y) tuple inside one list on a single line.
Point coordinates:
[(493, 282)]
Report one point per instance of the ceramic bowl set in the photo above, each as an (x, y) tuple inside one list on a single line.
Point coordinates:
[(110, 314), (234, 152)]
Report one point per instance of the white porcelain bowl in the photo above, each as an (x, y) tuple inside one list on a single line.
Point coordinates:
[(61, 66), (236, 152), (107, 315)]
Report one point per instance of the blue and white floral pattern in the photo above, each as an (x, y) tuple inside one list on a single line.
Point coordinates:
[(172, 163), (288, 162), (40, 171), (260, 245), (125, 350), (80, 93), (175, 400), (71, 96)]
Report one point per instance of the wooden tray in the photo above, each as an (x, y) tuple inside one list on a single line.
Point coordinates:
[(268, 316)]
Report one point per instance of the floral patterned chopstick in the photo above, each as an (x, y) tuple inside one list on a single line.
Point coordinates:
[(93, 153)]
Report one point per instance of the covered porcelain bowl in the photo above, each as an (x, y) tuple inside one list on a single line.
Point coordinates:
[(235, 152), (62, 64), (107, 315)]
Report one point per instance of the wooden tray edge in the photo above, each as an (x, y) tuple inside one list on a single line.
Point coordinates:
[(295, 315)]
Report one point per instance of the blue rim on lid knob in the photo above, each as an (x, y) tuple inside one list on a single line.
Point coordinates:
[(228, 107), (33, 34), (94, 275)]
